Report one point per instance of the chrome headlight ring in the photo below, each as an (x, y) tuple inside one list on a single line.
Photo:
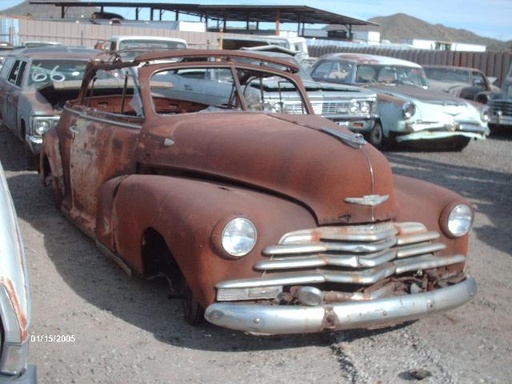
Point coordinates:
[(238, 237), (408, 110), (486, 114), (457, 220)]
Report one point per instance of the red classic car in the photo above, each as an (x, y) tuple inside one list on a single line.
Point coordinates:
[(266, 219)]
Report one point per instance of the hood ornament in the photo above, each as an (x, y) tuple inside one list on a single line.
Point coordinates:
[(369, 200), (355, 140)]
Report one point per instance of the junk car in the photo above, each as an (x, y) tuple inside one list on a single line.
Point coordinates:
[(353, 107), (409, 112), (501, 105), (34, 85), (468, 83), (15, 297), (264, 220)]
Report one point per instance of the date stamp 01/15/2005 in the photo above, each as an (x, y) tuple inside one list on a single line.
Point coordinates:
[(49, 338)]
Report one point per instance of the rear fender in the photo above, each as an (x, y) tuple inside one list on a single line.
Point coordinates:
[(190, 215)]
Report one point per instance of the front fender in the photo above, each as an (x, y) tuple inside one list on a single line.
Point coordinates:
[(425, 202), (190, 214)]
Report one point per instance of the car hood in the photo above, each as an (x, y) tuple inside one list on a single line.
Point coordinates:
[(342, 88), (299, 157), (424, 95)]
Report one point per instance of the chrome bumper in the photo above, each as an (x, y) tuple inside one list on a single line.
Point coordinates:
[(268, 319)]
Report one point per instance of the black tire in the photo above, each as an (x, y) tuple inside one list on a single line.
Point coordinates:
[(376, 137)]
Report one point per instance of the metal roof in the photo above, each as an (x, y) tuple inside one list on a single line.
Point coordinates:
[(223, 13)]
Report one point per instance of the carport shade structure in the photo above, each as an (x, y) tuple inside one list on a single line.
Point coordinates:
[(222, 14)]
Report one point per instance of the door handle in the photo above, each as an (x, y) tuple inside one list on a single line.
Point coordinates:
[(74, 130)]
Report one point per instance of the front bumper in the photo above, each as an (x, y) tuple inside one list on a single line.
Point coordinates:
[(267, 319), (29, 376)]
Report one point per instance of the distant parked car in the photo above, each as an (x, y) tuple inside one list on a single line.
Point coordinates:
[(501, 104), (409, 112), (349, 106), (468, 83), (34, 85), (15, 299)]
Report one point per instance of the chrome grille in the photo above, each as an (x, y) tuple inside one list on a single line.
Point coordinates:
[(504, 106), (361, 255)]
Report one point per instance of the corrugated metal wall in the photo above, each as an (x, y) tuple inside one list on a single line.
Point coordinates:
[(87, 34), (493, 64)]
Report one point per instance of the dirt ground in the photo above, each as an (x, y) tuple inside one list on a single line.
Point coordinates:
[(92, 324)]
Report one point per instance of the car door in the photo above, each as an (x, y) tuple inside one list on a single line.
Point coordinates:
[(95, 149), (12, 95), (5, 85)]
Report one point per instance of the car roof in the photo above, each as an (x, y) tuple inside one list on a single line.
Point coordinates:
[(364, 58), (55, 52), (438, 66)]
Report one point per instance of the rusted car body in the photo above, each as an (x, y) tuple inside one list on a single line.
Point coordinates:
[(409, 112), (275, 222), (15, 298), (468, 83), (34, 85)]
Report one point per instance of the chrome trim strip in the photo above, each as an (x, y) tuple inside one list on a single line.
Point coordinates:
[(367, 276), (267, 319), (353, 261)]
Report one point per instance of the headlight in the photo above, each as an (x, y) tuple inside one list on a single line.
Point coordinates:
[(365, 107), (238, 237), (408, 110), (457, 220), (354, 107), (485, 114), (40, 127)]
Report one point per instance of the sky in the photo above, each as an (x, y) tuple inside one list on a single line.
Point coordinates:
[(486, 18)]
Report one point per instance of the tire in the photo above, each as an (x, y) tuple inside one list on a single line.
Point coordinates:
[(376, 136)]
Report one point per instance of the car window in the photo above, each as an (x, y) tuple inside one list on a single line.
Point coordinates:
[(6, 67), (198, 88), (366, 74), (478, 79), (49, 71), (322, 70), (16, 73)]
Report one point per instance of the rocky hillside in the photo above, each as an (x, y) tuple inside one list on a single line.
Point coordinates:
[(401, 26)]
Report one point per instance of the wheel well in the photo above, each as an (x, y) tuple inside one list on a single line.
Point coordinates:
[(156, 256)]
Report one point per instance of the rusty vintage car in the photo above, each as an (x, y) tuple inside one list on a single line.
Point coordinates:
[(275, 222), (34, 85)]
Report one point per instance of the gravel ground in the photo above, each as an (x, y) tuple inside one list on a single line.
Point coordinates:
[(92, 324)]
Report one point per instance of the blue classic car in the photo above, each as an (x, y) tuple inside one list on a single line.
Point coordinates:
[(409, 111)]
